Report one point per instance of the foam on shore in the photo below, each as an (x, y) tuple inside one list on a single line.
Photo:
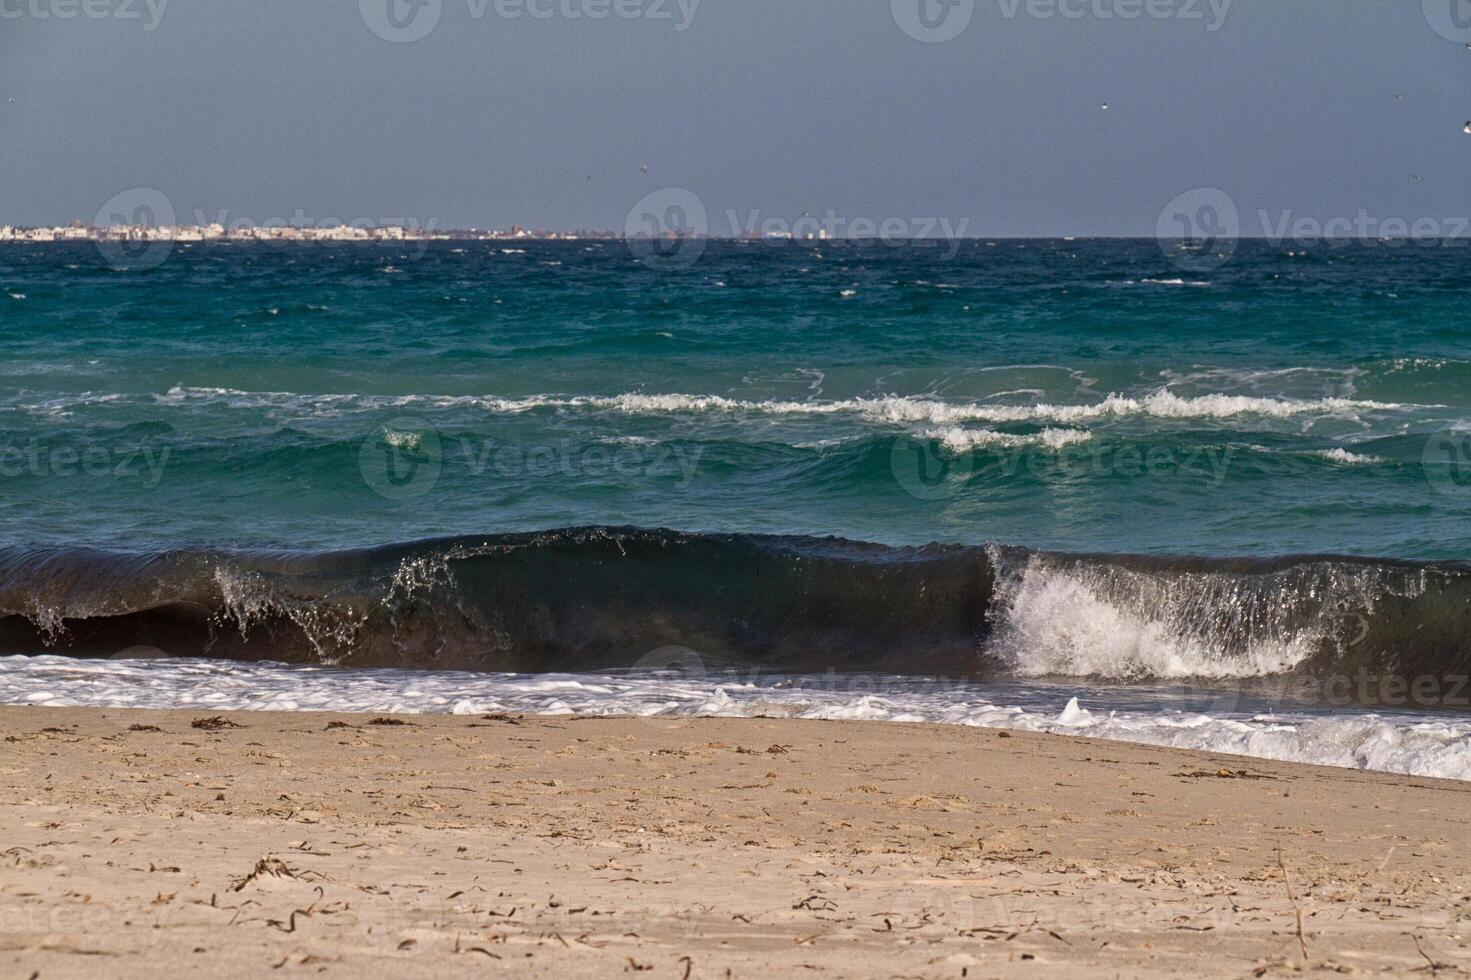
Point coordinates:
[(1419, 744)]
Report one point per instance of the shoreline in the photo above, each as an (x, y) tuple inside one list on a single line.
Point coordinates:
[(552, 846), (1268, 719)]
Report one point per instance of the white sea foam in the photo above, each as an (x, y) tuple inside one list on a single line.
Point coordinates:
[(962, 440), (1057, 617), (402, 440), (894, 410), (1345, 457), (1417, 744), (1072, 622), (1160, 404)]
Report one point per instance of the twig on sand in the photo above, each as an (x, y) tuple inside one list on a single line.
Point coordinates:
[(1302, 940), (1432, 965), (472, 949)]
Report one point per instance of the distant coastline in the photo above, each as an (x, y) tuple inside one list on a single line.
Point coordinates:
[(359, 232)]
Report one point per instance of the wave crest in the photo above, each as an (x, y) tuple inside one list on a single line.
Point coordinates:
[(597, 598)]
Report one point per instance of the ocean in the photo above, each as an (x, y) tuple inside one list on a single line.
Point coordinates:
[(1109, 488)]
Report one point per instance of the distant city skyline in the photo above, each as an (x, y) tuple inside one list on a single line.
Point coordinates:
[(1004, 118)]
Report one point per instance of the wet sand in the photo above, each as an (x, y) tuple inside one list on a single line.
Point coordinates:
[(152, 843)]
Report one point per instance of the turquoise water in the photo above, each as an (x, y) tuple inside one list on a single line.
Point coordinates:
[(330, 396), (1226, 509)]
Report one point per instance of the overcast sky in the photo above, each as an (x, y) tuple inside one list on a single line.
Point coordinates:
[(284, 109)]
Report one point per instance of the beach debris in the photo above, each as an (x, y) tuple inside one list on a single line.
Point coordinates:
[(305, 847), (1225, 774), (390, 722), (304, 959), (266, 866), (214, 723), (290, 926), (144, 728), (466, 949), (1433, 965), (1302, 939)]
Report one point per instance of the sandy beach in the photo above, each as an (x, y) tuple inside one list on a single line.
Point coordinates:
[(152, 843)]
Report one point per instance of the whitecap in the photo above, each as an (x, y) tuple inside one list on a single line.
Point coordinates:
[(1345, 457)]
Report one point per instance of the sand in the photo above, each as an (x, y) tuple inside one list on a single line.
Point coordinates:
[(137, 844)]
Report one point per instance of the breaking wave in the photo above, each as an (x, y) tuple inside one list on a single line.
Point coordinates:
[(604, 598)]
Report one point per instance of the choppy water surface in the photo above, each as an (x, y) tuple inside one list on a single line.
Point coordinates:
[(1138, 474)]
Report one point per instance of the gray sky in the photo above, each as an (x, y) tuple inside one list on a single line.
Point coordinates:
[(287, 108)]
